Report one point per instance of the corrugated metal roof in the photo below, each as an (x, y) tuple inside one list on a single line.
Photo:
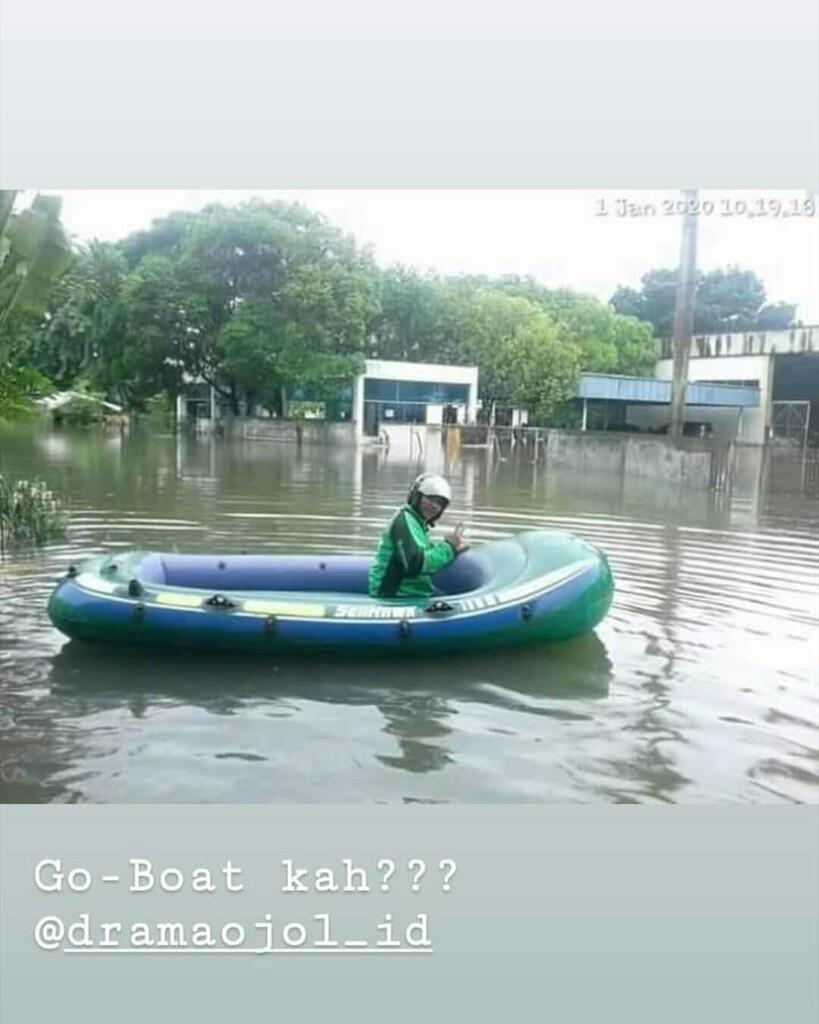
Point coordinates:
[(653, 390)]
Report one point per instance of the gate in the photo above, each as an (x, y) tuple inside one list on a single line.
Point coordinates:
[(790, 422)]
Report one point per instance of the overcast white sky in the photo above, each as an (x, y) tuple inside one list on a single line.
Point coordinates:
[(558, 237)]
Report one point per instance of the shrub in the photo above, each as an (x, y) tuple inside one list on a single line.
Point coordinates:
[(29, 513), (160, 410)]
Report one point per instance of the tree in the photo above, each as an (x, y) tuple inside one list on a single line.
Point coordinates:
[(636, 350), (34, 253), (165, 237), (653, 303), (776, 316), (327, 310), (249, 352), (536, 368), (19, 386), (411, 322), (267, 281), (163, 320), (475, 319), (726, 300), (607, 342), (249, 251), (523, 356), (312, 334), (78, 333)]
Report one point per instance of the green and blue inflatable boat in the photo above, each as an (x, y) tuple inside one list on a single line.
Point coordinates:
[(536, 587)]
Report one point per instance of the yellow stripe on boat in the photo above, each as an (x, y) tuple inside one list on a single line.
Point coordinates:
[(179, 600), (296, 609)]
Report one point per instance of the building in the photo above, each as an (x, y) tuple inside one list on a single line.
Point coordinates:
[(782, 365), (198, 403), (77, 406), (615, 402), (391, 393), (388, 395), (750, 386)]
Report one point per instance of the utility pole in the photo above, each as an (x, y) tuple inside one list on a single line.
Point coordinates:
[(684, 313)]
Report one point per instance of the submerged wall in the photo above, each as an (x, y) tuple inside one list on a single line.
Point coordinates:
[(649, 458), (694, 462), (293, 431)]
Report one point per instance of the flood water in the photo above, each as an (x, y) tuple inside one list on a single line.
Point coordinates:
[(701, 685)]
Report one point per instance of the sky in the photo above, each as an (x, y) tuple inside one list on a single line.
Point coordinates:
[(561, 238)]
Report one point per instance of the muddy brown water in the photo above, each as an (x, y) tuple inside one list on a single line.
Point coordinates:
[(700, 686)]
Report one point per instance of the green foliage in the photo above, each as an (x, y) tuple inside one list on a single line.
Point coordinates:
[(34, 253), (331, 305), (267, 347), (539, 366), (7, 197), (19, 387), (607, 341), (776, 316), (29, 513), (160, 410), (524, 356), (633, 341), (81, 331), (410, 325), (265, 298), (247, 298), (249, 354), (165, 237), (726, 300), (530, 342), (654, 303), (19, 333), (163, 322)]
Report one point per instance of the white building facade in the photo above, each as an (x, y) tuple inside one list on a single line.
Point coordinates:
[(391, 394), (784, 365)]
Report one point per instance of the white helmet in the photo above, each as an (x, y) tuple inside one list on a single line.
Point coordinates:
[(429, 485)]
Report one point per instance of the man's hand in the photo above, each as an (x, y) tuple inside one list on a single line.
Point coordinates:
[(456, 539)]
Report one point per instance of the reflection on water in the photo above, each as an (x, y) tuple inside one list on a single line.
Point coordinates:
[(701, 684)]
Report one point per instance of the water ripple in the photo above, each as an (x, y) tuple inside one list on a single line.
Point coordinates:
[(701, 685)]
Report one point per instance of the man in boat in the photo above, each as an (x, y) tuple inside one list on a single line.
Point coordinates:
[(407, 557)]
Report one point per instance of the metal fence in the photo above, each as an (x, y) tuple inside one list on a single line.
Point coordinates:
[(791, 422)]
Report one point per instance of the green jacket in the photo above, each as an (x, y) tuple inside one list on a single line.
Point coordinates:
[(407, 557)]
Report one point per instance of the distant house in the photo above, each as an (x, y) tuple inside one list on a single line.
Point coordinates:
[(387, 393), (753, 387), (392, 392), (55, 402)]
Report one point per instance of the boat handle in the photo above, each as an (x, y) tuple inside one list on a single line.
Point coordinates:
[(439, 607), (220, 602)]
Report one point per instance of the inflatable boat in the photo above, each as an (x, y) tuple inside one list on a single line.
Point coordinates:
[(536, 587)]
